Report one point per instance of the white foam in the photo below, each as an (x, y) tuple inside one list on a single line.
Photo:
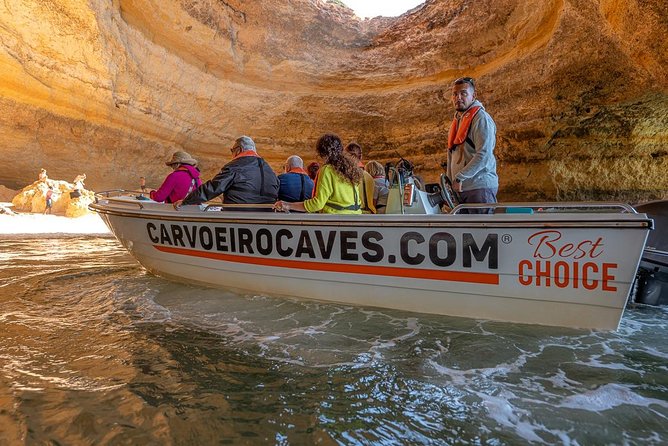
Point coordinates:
[(51, 224), (608, 397)]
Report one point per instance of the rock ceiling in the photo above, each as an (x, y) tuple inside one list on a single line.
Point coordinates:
[(578, 88)]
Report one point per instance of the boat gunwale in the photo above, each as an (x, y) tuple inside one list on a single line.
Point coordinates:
[(121, 204), (639, 221)]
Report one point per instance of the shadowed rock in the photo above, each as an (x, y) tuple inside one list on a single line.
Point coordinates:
[(578, 88)]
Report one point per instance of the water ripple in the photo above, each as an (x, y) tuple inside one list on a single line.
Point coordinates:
[(93, 350)]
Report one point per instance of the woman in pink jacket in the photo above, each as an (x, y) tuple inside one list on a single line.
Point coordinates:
[(179, 183)]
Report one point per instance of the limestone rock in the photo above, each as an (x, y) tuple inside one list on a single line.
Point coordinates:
[(6, 194), (66, 201), (578, 88)]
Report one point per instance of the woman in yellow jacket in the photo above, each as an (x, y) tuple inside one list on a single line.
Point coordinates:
[(337, 185)]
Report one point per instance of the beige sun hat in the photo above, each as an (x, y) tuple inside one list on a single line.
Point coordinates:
[(181, 157)]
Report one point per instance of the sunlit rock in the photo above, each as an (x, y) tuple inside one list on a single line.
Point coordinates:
[(578, 88), (68, 199)]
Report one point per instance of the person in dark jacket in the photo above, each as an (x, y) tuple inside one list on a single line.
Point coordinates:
[(295, 182), (247, 179)]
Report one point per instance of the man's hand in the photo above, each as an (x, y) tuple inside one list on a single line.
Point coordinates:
[(281, 206), (178, 204), (457, 186)]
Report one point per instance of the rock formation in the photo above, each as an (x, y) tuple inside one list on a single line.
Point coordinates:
[(6, 194), (578, 88), (68, 198)]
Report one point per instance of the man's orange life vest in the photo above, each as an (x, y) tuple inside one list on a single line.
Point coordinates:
[(297, 170), (459, 130)]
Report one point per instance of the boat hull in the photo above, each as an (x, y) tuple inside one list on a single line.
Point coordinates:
[(561, 270)]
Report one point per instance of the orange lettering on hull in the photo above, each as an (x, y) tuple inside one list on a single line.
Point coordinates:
[(589, 275)]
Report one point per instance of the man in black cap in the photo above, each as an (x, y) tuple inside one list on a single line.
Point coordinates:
[(247, 179)]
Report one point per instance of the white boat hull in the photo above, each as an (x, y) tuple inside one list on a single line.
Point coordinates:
[(561, 269)]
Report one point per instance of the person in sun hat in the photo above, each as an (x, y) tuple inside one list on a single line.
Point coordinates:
[(247, 179), (471, 163), (183, 179)]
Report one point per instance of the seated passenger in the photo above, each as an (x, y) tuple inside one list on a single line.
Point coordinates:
[(183, 180), (313, 169), (247, 179), (367, 184), (380, 189), (337, 186), (295, 182)]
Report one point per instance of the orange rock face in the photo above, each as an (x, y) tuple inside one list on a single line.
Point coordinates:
[(578, 88)]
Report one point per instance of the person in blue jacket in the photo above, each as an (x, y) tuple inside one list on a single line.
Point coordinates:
[(296, 185)]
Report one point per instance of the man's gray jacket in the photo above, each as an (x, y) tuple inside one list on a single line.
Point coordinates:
[(475, 165)]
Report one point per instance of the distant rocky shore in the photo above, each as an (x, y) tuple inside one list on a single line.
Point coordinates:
[(69, 199)]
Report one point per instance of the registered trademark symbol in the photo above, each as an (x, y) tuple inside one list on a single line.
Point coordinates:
[(506, 238)]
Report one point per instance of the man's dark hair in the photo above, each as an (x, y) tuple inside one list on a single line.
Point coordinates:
[(465, 80), (355, 150)]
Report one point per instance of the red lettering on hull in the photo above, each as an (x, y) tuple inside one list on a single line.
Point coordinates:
[(544, 273)]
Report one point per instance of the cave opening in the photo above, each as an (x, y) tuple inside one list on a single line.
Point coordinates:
[(384, 8)]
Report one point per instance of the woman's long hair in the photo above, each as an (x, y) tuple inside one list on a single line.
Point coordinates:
[(330, 148)]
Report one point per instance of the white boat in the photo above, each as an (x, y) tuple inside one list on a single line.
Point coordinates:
[(560, 264)]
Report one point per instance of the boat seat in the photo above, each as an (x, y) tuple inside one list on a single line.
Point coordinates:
[(512, 210)]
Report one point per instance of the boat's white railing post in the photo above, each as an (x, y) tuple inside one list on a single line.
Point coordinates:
[(396, 175), (394, 181)]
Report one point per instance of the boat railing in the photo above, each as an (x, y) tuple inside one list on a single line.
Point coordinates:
[(121, 196), (549, 207), (116, 193), (211, 207), (657, 252)]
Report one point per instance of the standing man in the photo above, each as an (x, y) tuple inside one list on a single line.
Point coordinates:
[(247, 179), (471, 141)]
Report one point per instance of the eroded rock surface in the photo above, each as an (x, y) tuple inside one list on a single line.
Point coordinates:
[(6, 194), (578, 88), (68, 199)]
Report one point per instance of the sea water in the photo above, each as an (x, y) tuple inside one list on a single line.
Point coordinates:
[(94, 350)]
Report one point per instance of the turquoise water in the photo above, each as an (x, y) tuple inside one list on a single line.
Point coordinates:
[(93, 350)]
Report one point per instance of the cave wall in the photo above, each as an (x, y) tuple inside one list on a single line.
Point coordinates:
[(578, 88)]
